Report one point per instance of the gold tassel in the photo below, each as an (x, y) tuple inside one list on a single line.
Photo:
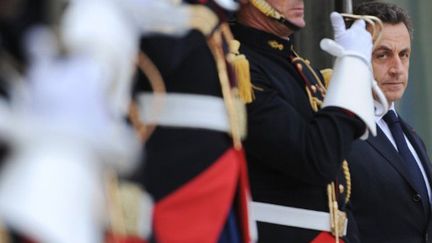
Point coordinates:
[(240, 66)]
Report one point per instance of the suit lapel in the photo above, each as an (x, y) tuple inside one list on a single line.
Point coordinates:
[(417, 144), (383, 146), (420, 149)]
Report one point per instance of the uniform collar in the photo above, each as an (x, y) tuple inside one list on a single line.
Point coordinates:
[(262, 40)]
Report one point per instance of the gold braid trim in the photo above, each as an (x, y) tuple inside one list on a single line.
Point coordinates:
[(126, 203), (215, 45), (327, 73), (333, 208), (157, 83), (314, 101), (347, 175), (337, 217), (309, 67), (116, 219)]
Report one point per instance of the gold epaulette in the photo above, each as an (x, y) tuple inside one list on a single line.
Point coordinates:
[(240, 66), (235, 106)]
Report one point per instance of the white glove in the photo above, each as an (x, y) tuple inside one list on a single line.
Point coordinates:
[(351, 83), (356, 41)]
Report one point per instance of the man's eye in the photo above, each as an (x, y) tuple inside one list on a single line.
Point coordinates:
[(381, 56), (404, 55)]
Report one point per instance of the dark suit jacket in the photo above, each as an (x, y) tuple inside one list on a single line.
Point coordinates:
[(385, 204)]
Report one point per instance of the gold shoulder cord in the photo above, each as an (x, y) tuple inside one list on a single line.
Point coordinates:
[(124, 207), (121, 194), (157, 83), (235, 107), (116, 218), (315, 102), (337, 218)]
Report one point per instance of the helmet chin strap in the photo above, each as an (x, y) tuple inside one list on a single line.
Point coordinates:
[(288, 24), (264, 7)]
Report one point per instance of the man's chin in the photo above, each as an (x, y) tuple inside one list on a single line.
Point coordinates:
[(300, 23)]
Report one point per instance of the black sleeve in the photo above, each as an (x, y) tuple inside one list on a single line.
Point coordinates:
[(308, 148)]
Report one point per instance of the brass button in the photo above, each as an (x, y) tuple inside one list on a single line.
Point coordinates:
[(416, 198), (341, 188)]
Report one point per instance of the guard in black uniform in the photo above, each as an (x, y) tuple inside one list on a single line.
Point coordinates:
[(66, 127), (194, 169), (295, 150)]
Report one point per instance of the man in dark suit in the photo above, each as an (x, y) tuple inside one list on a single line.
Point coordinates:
[(391, 173)]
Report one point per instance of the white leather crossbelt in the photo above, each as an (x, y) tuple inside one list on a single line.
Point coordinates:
[(184, 110), (290, 216)]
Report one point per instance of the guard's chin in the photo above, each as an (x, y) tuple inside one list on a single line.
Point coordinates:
[(300, 23)]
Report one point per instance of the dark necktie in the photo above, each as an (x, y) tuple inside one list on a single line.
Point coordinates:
[(410, 163)]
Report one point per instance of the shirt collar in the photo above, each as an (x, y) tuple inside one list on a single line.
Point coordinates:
[(392, 107)]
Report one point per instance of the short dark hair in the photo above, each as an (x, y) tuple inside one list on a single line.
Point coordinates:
[(389, 13)]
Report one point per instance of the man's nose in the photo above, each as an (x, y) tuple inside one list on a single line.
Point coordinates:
[(397, 66)]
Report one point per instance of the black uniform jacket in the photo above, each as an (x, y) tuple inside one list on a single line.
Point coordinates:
[(177, 157), (385, 204), (187, 67), (292, 151)]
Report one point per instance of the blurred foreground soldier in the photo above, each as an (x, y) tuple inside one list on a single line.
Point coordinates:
[(299, 131), (195, 167), (391, 173), (68, 133)]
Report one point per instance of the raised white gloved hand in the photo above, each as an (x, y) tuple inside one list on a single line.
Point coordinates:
[(350, 87), (355, 41)]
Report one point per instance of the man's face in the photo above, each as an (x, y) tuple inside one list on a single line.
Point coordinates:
[(292, 10), (390, 60)]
